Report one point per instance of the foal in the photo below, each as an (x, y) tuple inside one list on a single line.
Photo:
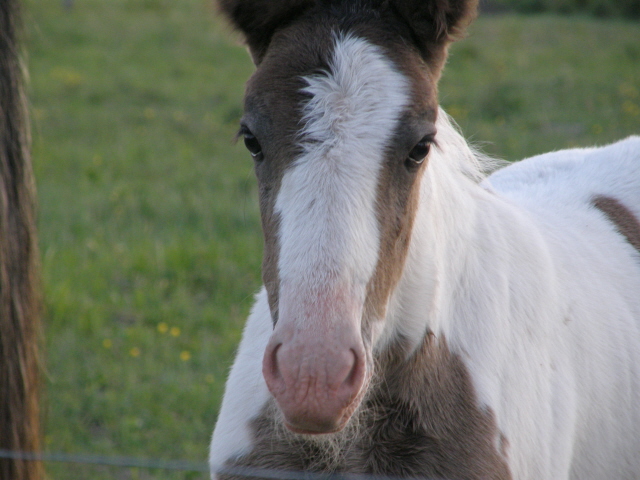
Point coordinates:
[(417, 320)]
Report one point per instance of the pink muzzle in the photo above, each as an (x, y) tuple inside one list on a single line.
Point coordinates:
[(315, 364)]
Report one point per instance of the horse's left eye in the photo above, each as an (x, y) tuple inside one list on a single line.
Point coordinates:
[(419, 152)]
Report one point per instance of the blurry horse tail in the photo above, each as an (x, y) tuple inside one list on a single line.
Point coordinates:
[(19, 292)]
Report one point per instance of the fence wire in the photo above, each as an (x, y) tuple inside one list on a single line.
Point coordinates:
[(190, 470), (99, 460), (271, 474)]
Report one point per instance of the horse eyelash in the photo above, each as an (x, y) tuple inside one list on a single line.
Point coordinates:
[(242, 130)]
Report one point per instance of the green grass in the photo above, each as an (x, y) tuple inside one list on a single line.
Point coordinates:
[(528, 85), (148, 223), (599, 8), (149, 229)]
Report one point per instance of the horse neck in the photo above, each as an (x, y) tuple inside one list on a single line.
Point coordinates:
[(445, 236)]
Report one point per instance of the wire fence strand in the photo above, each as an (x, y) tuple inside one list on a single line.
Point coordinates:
[(100, 460), (272, 474), (249, 473)]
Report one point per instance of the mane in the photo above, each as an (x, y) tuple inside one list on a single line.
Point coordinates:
[(460, 155)]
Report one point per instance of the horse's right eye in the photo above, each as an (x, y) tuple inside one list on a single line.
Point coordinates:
[(419, 152), (252, 144)]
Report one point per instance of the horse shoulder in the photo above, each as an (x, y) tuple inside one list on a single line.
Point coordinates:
[(585, 203), (509, 332)]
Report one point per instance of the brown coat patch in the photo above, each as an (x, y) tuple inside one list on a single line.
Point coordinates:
[(421, 418), (625, 221)]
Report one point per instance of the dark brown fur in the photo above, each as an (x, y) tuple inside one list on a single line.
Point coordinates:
[(432, 23), (625, 221), (420, 419), (19, 303)]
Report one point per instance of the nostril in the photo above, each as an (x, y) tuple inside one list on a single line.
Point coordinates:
[(270, 368), (354, 379), (354, 373), (275, 370)]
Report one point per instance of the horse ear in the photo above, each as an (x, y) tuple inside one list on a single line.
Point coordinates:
[(259, 19), (437, 22)]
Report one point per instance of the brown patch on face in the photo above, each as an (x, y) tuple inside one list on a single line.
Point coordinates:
[(399, 186), (421, 418), (273, 113), (625, 221), (271, 253), (397, 204)]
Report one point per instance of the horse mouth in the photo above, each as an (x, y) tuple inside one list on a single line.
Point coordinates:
[(314, 429), (318, 425)]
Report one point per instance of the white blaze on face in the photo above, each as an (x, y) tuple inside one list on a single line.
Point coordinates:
[(329, 231), (315, 364)]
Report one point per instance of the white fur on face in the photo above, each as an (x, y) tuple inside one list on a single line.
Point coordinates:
[(329, 230)]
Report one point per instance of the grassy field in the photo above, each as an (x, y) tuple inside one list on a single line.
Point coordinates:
[(149, 229)]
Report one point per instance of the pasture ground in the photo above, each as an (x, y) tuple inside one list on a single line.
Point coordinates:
[(149, 228)]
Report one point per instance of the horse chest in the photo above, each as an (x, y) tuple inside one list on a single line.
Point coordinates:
[(421, 419)]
